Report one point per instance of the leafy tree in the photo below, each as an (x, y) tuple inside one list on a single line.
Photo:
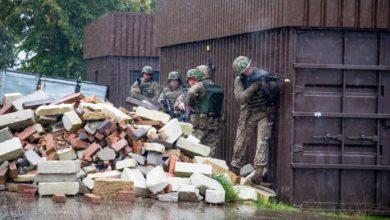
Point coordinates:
[(7, 55), (51, 31)]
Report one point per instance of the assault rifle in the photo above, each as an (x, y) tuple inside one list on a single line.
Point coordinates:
[(264, 76)]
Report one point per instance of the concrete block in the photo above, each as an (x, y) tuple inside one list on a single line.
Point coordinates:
[(187, 128), (60, 109), (152, 114), (139, 181), (204, 182), (16, 120), (177, 182), (108, 188), (50, 188), (192, 149), (126, 163), (63, 177), (38, 127), (35, 96), (154, 158), (67, 154), (219, 162), (23, 178), (5, 134), (144, 169), (32, 157), (246, 170), (89, 180), (106, 154), (183, 169), (215, 196), (11, 97), (89, 169), (172, 131), (71, 121), (140, 159), (169, 197), (156, 180), (10, 149), (115, 113), (188, 193), (193, 139), (64, 166), (159, 148)]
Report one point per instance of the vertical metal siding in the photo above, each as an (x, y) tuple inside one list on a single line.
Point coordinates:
[(182, 21), (120, 34)]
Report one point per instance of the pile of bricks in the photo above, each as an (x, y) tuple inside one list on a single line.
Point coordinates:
[(84, 145)]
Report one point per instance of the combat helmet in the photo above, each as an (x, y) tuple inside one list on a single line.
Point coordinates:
[(241, 64)]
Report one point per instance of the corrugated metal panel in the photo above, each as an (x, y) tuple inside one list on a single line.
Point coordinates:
[(120, 34), (116, 73), (182, 21), (361, 179)]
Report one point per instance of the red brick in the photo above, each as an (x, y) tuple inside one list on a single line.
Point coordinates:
[(125, 196), (122, 126), (59, 198), (7, 108), (3, 175), (112, 138), (78, 144), (92, 198), (34, 138), (51, 156), (86, 161), (26, 133), (50, 144), (29, 193), (28, 147), (76, 97), (22, 187), (99, 136), (122, 134), (91, 150), (70, 137), (91, 138), (129, 131), (128, 150), (137, 146), (13, 170), (119, 145), (172, 164)]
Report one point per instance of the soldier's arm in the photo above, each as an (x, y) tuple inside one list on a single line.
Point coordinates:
[(156, 91), (194, 92), (161, 97), (179, 99), (134, 89), (241, 94)]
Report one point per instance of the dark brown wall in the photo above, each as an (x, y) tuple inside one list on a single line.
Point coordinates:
[(120, 34), (341, 73), (181, 21), (115, 72)]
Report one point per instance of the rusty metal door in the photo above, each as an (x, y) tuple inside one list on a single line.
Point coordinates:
[(341, 148)]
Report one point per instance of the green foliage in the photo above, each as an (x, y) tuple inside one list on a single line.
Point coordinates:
[(7, 55), (230, 194), (276, 206), (51, 31)]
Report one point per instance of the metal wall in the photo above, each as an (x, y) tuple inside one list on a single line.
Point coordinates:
[(182, 21), (120, 34), (332, 145), (117, 73)]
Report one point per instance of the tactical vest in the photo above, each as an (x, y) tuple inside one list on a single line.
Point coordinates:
[(211, 102), (260, 98), (146, 88), (171, 96)]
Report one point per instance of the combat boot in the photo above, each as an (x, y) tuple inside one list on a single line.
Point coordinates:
[(257, 178)]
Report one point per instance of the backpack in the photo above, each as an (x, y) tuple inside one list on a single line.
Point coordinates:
[(211, 102)]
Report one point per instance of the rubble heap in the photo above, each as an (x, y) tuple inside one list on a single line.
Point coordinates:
[(84, 145)]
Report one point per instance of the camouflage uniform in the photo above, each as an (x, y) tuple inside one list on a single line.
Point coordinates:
[(206, 126), (150, 89), (254, 113), (170, 94)]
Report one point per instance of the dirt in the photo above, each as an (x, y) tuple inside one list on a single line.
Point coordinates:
[(13, 205)]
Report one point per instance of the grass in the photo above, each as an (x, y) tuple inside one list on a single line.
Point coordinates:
[(275, 206), (230, 194)]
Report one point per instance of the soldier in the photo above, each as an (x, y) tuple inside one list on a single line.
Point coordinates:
[(145, 85), (181, 101), (170, 93), (205, 101), (255, 108)]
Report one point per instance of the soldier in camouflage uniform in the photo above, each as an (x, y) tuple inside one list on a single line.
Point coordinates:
[(255, 109), (145, 85), (170, 93), (192, 78), (205, 121)]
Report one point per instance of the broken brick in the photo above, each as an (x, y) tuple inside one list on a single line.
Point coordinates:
[(59, 198), (99, 136), (50, 144), (117, 146), (26, 133), (91, 198), (7, 108), (125, 196), (76, 97), (13, 170), (91, 150), (78, 144)]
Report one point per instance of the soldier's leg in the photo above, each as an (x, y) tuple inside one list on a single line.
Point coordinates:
[(246, 124), (213, 140), (261, 158)]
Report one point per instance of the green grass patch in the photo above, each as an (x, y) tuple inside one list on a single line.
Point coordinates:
[(230, 194), (275, 206)]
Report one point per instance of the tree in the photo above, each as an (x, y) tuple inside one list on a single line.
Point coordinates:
[(7, 55), (51, 31)]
